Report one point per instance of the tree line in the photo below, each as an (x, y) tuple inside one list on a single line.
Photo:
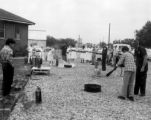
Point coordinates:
[(54, 42), (143, 36)]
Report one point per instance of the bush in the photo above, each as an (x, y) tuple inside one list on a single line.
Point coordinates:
[(20, 51)]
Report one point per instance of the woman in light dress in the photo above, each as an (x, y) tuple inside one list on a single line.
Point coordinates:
[(89, 55), (82, 54), (69, 54), (73, 54), (29, 53), (50, 56), (93, 55)]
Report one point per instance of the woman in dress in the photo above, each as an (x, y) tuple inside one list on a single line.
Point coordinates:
[(50, 57)]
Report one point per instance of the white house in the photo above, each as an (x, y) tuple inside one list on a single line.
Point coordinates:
[(37, 37)]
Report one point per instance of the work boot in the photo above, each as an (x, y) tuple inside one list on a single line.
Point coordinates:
[(121, 97), (131, 98)]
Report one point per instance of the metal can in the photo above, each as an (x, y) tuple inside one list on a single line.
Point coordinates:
[(38, 95)]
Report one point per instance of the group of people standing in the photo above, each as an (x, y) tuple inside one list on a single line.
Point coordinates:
[(135, 71), (135, 66), (50, 55), (88, 55)]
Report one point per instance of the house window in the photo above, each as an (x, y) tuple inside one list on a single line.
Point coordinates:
[(17, 32), (2, 30)]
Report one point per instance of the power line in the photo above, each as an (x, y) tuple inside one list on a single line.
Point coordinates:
[(38, 30)]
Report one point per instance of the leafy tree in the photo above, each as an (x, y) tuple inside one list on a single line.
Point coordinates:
[(51, 41), (144, 35), (116, 41), (128, 41), (102, 44), (68, 42)]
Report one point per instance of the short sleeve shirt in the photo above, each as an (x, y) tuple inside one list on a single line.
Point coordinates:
[(128, 60), (6, 54)]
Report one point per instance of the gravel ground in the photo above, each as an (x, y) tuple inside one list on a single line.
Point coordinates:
[(64, 97)]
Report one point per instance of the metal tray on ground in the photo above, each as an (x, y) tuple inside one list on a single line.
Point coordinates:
[(41, 70)]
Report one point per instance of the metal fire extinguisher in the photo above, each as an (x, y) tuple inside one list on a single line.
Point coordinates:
[(38, 95), (57, 62)]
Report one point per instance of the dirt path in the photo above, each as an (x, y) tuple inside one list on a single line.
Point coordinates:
[(65, 99)]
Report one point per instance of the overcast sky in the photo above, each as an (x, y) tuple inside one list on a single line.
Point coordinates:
[(88, 18)]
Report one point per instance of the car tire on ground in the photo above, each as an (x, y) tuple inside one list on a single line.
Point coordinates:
[(92, 88), (68, 66)]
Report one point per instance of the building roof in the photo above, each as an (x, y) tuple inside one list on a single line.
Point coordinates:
[(7, 16)]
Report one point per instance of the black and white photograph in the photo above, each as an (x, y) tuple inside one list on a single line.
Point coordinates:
[(75, 59)]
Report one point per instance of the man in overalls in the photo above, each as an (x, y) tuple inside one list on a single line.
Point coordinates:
[(141, 71), (104, 57)]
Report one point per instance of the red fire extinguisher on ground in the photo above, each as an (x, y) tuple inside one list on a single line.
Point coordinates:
[(38, 95)]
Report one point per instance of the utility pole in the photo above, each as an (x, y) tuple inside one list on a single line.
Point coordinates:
[(109, 34)]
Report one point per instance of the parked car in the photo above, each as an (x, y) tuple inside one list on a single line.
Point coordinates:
[(118, 47)]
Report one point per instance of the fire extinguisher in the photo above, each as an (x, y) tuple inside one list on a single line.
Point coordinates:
[(57, 62), (38, 95)]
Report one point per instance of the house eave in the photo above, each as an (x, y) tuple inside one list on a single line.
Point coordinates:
[(10, 20)]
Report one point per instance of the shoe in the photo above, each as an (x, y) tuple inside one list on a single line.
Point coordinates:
[(131, 98), (142, 95), (121, 97)]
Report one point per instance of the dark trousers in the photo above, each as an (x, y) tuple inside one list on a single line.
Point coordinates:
[(64, 57), (103, 63), (8, 74), (140, 82), (93, 59)]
